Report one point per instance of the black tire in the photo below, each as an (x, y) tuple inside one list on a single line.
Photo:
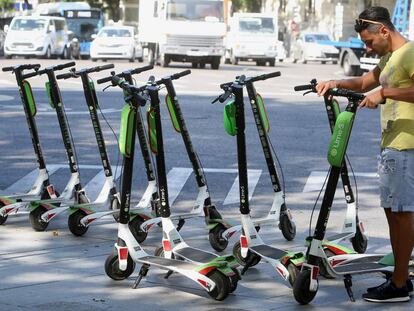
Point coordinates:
[(35, 218), (48, 53), (222, 288), (349, 69), (65, 53), (287, 227), (234, 279), (93, 59), (215, 237), (301, 290), (323, 62), (132, 59), (260, 63), (334, 62), (293, 273), (359, 241), (140, 59), (234, 60), (3, 218), (194, 64), (164, 61), (159, 252), (215, 64), (135, 227), (250, 256), (202, 65), (112, 267), (74, 223), (272, 62)]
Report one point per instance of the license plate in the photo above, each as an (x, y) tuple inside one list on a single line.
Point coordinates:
[(197, 53)]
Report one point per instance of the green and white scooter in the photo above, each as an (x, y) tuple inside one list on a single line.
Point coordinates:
[(43, 211), (213, 276), (343, 265), (41, 188)]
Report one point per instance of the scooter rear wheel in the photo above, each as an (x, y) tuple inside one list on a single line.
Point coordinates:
[(135, 227), (3, 218), (222, 288), (301, 291), (255, 259), (215, 236), (287, 227), (74, 223), (234, 279), (359, 241), (293, 273), (112, 267), (36, 221)]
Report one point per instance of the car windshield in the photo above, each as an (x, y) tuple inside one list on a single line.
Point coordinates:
[(262, 24), (29, 24), (316, 37), (113, 32), (195, 10), (83, 28)]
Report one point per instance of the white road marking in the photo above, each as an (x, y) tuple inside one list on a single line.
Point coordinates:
[(316, 179)]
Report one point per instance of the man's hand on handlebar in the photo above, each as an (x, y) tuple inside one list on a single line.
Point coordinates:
[(323, 86)]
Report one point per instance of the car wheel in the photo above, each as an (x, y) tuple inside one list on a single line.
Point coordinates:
[(48, 53), (132, 59)]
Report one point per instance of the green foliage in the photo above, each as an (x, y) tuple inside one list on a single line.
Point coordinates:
[(247, 5), (6, 4)]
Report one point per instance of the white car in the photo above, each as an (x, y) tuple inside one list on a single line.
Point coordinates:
[(315, 47), (116, 42)]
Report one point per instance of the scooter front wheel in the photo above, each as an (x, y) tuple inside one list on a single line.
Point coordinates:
[(252, 257), (234, 279), (135, 227), (287, 227), (36, 220), (112, 267), (293, 273), (215, 236), (301, 290), (74, 223), (359, 241), (223, 286)]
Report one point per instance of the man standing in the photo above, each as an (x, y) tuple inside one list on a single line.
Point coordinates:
[(395, 76)]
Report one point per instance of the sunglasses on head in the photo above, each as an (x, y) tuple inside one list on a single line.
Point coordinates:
[(361, 22)]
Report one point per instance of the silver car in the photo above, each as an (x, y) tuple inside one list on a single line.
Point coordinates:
[(315, 47)]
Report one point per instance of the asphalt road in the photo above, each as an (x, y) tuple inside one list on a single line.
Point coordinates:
[(53, 269)]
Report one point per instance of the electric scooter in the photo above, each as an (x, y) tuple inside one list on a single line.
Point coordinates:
[(43, 211), (41, 188), (203, 206), (306, 285), (173, 245), (213, 276), (252, 248), (82, 216)]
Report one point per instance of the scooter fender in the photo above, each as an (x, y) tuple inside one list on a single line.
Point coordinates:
[(14, 207), (228, 233), (122, 256), (313, 284), (244, 248), (148, 224)]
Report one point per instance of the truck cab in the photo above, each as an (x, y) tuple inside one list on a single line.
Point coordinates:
[(254, 37)]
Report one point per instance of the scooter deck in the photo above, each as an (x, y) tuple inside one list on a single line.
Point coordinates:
[(166, 263), (195, 254), (269, 251), (360, 268)]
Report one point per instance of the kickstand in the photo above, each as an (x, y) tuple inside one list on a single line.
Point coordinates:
[(348, 286), (142, 272), (248, 264), (167, 275), (180, 224)]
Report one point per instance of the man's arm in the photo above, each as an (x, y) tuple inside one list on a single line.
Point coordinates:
[(361, 84)]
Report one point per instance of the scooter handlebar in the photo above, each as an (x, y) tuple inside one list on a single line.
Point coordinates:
[(141, 69), (22, 67), (180, 74), (122, 74), (265, 76), (65, 76), (63, 66), (306, 87)]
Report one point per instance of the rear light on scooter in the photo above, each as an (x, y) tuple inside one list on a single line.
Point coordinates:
[(122, 257)]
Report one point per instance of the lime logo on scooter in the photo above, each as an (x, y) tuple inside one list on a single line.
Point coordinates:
[(339, 139)]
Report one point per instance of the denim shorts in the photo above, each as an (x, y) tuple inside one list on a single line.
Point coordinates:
[(396, 174)]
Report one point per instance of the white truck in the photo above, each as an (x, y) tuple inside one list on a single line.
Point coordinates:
[(254, 37), (183, 31)]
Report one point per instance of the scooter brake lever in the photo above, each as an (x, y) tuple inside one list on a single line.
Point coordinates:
[(307, 92)]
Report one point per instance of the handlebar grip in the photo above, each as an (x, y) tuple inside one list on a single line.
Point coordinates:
[(180, 74), (303, 87), (224, 96), (141, 69), (269, 75), (7, 69), (31, 74), (104, 80), (65, 76), (63, 66), (104, 67), (346, 93), (225, 85)]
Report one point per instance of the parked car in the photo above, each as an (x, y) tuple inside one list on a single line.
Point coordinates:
[(43, 36), (116, 42), (314, 47)]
